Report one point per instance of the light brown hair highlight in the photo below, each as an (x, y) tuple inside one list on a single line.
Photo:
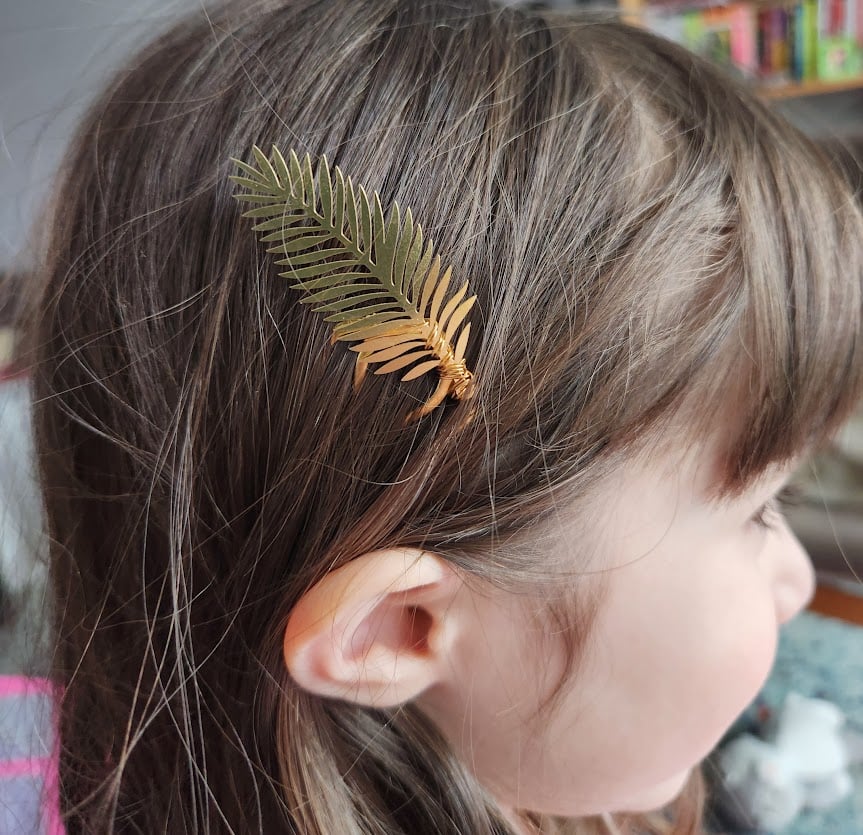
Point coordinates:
[(642, 233)]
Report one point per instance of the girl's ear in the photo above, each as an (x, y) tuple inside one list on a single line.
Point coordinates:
[(377, 631)]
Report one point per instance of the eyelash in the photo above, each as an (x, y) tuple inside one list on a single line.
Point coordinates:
[(765, 516)]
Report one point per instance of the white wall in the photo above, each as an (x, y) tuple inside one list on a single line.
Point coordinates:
[(834, 115), (54, 56)]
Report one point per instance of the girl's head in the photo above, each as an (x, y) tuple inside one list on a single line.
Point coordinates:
[(288, 611)]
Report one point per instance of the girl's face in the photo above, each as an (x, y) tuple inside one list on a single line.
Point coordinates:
[(693, 593)]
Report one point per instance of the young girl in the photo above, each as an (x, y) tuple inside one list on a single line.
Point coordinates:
[(524, 591)]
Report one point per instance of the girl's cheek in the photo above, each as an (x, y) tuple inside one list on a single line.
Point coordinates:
[(733, 646), (749, 658)]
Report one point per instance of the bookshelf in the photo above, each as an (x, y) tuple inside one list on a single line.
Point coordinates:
[(788, 48), (801, 89)]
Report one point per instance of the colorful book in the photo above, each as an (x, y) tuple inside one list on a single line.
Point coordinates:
[(838, 52), (786, 40)]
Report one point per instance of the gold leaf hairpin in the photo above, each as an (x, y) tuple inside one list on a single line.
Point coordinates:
[(374, 278)]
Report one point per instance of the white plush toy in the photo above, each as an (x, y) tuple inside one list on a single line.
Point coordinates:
[(24, 627), (800, 762)]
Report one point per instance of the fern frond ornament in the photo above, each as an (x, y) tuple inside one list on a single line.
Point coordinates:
[(374, 278)]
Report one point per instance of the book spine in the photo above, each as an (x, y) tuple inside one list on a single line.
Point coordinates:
[(837, 17), (771, 40), (810, 39), (778, 21), (693, 29), (744, 49), (773, 24), (764, 46), (795, 56)]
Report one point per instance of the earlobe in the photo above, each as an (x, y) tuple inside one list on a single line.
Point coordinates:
[(376, 631)]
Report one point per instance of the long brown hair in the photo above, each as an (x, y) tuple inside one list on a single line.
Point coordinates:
[(641, 233)]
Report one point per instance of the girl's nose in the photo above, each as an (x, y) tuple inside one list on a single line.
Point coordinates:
[(794, 575)]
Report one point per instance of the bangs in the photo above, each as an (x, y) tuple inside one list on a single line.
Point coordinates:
[(747, 275), (708, 258), (795, 357)]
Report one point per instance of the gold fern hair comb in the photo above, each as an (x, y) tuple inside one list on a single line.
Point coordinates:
[(375, 279)]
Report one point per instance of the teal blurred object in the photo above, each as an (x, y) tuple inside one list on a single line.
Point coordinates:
[(818, 657)]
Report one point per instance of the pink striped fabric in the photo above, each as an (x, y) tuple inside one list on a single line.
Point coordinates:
[(29, 796)]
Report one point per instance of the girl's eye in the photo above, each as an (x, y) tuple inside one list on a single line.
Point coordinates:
[(771, 511), (765, 516)]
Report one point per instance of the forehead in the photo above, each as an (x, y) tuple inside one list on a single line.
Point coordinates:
[(676, 474)]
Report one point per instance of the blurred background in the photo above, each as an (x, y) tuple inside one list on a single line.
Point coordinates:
[(805, 57)]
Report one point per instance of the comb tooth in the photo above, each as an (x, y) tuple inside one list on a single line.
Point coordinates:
[(366, 332), (368, 326), (248, 182), (381, 245), (439, 294), (391, 353), (451, 306), (366, 236), (280, 230), (281, 167), (404, 361), (339, 205), (359, 372), (308, 181), (268, 199), (378, 343), (367, 311), (403, 251), (420, 269), (461, 345), (249, 169), (296, 174), (345, 291), (422, 368), (295, 243), (458, 317), (352, 212), (343, 303), (321, 283), (429, 285), (264, 164), (325, 187)]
